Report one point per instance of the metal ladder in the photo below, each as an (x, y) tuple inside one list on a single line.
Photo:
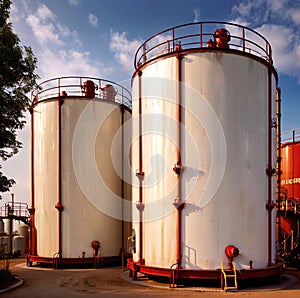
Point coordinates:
[(231, 276)]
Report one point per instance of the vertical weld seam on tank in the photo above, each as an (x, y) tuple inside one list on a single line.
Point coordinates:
[(59, 180), (140, 169), (179, 210), (269, 166)]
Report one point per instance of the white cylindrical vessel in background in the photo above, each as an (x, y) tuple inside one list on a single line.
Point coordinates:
[(76, 171)]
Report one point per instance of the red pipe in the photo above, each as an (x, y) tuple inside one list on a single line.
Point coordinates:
[(33, 244), (270, 171), (58, 205), (278, 149), (140, 174), (179, 204), (122, 108)]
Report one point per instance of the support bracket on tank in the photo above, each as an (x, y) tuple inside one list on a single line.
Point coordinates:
[(270, 171), (177, 204), (178, 168), (270, 206), (140, 174), (59, 206), (140, 206)]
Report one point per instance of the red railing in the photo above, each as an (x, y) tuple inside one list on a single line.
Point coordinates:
[(197, 35), (75, 86), (291, 136)]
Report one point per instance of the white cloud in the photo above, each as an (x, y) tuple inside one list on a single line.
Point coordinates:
[(295, 15), (278, 21), (276, 5), (44, 13), (43, 26), (43, 32), (123, 49), (243, 8), (286, 52), (93, 20), (74, 2), (63, 30), (67, 63), (197, 15)]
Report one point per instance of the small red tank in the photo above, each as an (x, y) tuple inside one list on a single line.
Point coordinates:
[(290, 167)]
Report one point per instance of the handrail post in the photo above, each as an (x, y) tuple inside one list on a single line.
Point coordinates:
[(201, 37), (144, 53), (173, 39), (58, 95), (244, 46)]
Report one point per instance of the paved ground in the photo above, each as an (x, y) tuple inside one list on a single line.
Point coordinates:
[(110, 282)]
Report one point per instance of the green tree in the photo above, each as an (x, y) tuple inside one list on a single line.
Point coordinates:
[(17, 78)]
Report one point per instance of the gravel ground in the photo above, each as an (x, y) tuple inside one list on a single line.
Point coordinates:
[(111, 282)]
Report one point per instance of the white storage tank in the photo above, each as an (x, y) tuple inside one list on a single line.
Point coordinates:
[(18, 246), (78, 190), (204, 153), (23, 231)]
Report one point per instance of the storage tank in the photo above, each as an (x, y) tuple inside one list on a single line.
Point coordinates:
[(204, 152), (23, 231), (289, 198), (290, 164), (78, 190), (18, 246)]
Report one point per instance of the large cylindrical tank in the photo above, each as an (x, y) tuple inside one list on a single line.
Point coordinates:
[(78, 190), (290, 164), (204, 152), (23, 231), (18, 245)]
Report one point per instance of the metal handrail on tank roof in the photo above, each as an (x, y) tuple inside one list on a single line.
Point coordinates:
[(197, 35), (73, 86), (290, 136)]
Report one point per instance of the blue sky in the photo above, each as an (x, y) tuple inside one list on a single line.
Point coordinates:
[(99, 38)]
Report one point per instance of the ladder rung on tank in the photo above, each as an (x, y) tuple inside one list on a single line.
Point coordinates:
[(229, 275)]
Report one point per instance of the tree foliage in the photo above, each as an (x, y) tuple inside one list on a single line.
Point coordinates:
[(17, 78)]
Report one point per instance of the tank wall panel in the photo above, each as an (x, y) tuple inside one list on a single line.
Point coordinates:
[(83, 222), (160, 153), (224, 153), (90, 178), (46, 177), (237, 91)]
